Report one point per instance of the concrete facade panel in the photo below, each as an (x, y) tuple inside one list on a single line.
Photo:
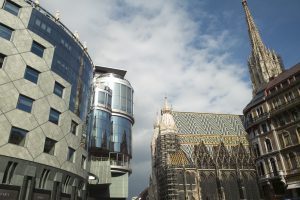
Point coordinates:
[(48, 159), (28, 88), (57, 103), (46, 82), (52, 131), (15, 151), (9, 97), (14, 67), (3, 77), (11, 20), (5, 127), (22, 40), (36, 142), (73, 141), (61, 151), (41, 110), (7, 47), (34, 61), (19, 118)]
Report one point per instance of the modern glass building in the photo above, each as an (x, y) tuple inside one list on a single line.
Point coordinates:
[(110, 132), (45, 76)]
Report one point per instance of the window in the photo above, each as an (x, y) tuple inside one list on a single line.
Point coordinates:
[(49, 146), (274, 166), (24, 103), (259, 111), (256, 150), (83, 161), (265, 127), (261, 169), (295, 114), (31, 74), (11, 7), (71, 153), (44, 178), (287, 139), (5, 32), (268, 144), (37, 49), (293, 160), (54, 116), (9, 172), (73, 127), (58, 89), (2, 58), (17, 136)]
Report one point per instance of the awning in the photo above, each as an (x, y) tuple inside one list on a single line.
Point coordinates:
[(293, 186)]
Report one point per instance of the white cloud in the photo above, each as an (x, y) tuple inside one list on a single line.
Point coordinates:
[(156, 43)]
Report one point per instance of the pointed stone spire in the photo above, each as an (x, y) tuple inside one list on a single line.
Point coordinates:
[(264, 64)]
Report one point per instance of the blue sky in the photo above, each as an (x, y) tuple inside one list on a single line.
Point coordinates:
[(193, 51)]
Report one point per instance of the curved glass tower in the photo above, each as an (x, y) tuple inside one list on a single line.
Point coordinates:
[(45, 77), (110, 129)]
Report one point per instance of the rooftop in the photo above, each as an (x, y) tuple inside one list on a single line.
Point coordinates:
[(105, 70)]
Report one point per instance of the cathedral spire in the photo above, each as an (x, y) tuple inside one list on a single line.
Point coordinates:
[(264, 64)]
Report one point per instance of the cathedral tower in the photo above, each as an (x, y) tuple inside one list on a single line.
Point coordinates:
[(264, 64)]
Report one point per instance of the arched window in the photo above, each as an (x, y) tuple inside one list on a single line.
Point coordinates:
[(268, 144), (274, 166), (287, 139), (261, 169), (293, 160), (256, 150), (298, 133)]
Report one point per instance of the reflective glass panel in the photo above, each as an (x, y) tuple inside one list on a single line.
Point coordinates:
[(5, 32), (24, 103), (17, 136), (11, 7), (58, 89), (54, 116), (31, 74), (37, 49)]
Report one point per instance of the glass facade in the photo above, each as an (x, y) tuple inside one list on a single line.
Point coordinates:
[(101, 129), (121, 140), (112, 119), (70, 61)]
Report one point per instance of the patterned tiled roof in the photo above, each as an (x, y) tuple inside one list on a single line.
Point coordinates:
[(208, 123), (178, 158), (192, 128)]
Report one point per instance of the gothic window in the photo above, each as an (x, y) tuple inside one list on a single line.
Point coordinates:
[(281, 120), (265, 127), (43, 178), (268, 144), (293, 160), (261, 169), (295, 114), (298, 134), (274, 166), (289, 96), (9, 172), (256, 150), (259, 111), (287, 139)]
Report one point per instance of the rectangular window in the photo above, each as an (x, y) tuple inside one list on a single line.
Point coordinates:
[(24, 103), (31, 74), (2, 58), (83, 161), (71, 153), (37, 49), (58, 89), (5, 31), (11, 7), (54, 116), (74, 127), (49, 146), (17, 136)]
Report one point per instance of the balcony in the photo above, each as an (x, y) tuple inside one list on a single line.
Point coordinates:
[(256, 120), (285, 106)]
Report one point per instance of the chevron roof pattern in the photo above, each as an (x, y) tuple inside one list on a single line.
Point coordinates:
[(208, 123)]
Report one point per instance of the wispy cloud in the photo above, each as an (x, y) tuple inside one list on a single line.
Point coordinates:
[(166, 52)]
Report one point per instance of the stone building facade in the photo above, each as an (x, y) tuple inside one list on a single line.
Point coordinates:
[(272, 119), (201, 156), (45, 75)]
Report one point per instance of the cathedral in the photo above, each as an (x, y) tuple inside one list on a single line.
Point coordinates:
[(201, 156)]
